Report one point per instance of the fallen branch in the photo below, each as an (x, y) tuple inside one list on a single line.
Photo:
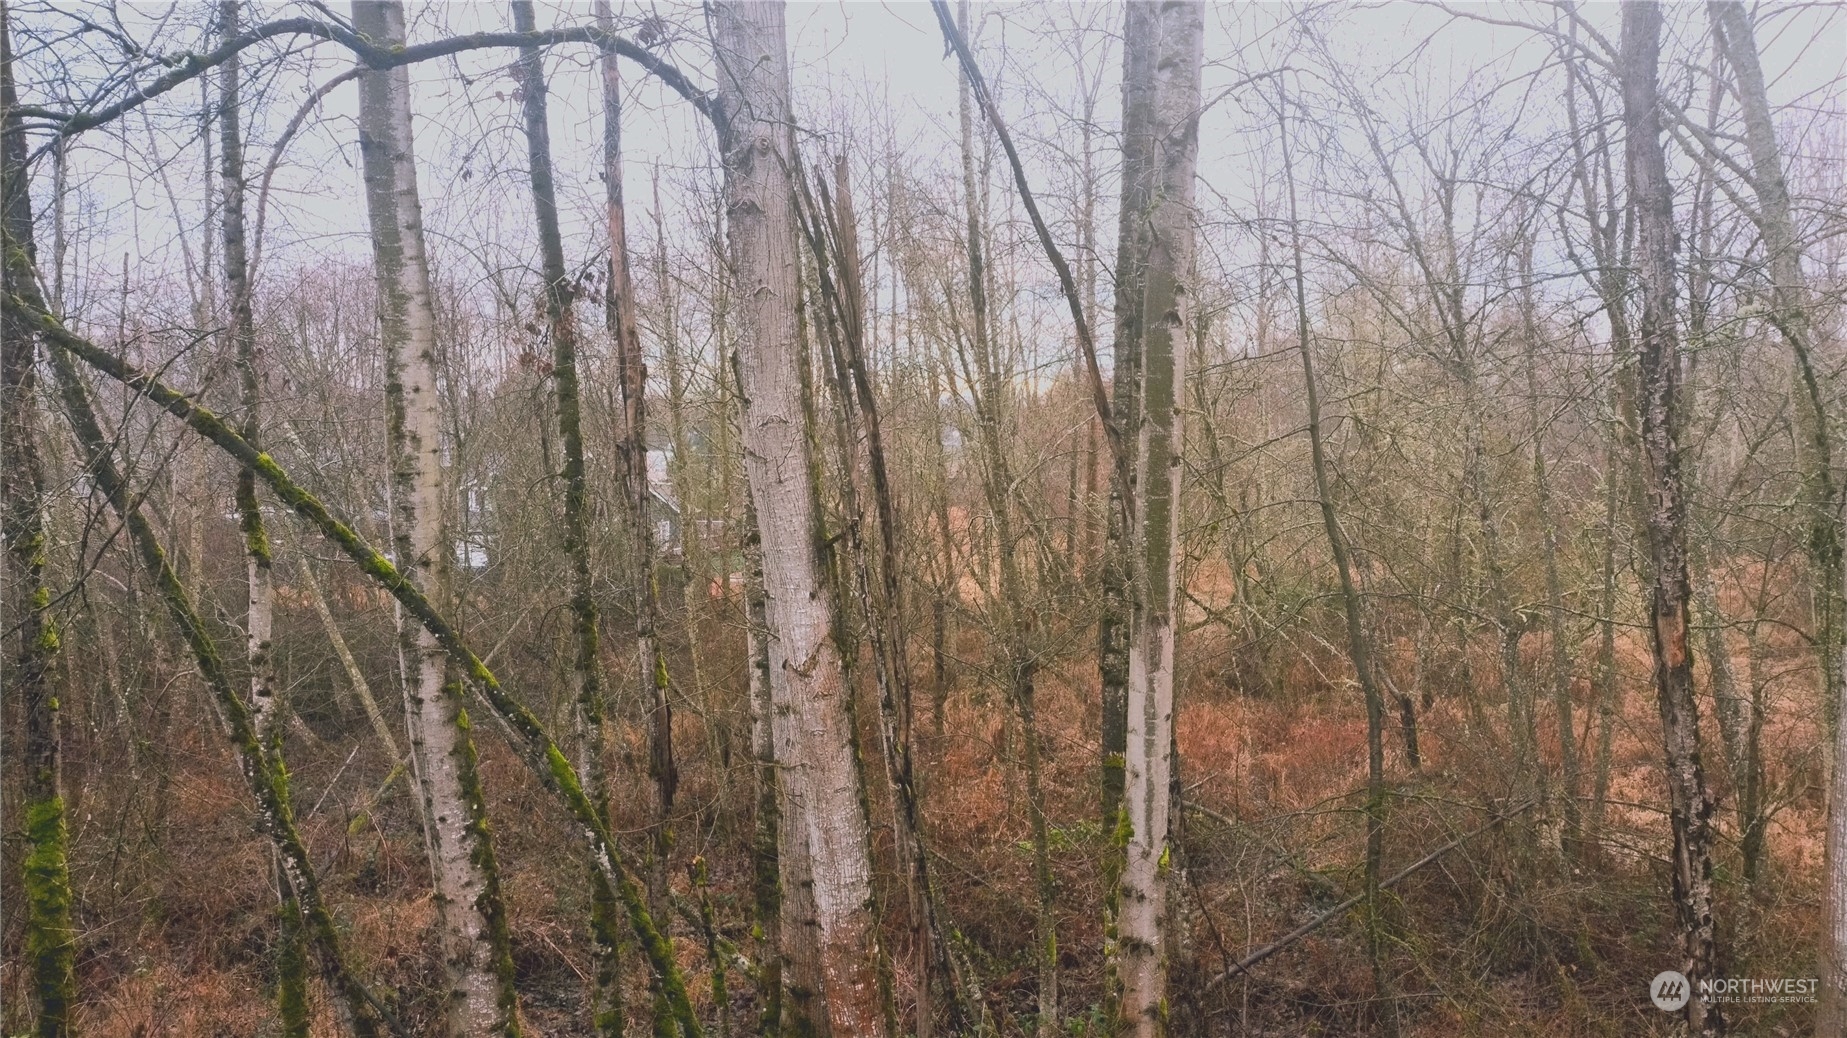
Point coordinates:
[(1244, 965)]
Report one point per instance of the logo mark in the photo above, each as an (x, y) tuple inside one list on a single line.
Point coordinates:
[(1670, 990)]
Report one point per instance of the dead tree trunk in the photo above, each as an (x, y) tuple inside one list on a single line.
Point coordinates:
[(632, 374), (1690, 804), (362, 689)]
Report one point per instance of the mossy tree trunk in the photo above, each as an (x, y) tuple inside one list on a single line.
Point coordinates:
[(588, 696), (265, 705), (474, 928), (1139, 26), (50, 940)]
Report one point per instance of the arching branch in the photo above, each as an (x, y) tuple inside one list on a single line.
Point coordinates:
[(373, 56)]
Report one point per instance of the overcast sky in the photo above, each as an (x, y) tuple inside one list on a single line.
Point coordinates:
[(868, 76)]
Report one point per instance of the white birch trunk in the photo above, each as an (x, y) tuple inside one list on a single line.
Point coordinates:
[(1166, 311), (442, 753)]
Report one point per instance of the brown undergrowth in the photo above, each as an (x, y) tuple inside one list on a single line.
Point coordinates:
[(1505, 935)]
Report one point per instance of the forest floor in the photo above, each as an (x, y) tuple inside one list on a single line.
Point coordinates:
[(1502, 936)]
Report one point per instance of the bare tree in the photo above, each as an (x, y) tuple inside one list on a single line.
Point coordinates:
[(1658, 371), (263, 772), (1353, 606)]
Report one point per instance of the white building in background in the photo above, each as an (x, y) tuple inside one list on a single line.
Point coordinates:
[(472, 529)]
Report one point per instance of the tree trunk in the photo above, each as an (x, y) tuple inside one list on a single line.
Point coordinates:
[(265, 707), (766, 888), (362, 689), (1610, 226), (807, 675), (1562, 706), (1609, 688), (1359, 648), (50, 942), (1140, 29), (1690, 804), (1168, 298), (475, 943), (1789, 313), (607, 1010), (1138, 56)]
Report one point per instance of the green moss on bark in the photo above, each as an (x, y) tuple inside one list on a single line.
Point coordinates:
[(481, 854), (50, 942), (292, 970)]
